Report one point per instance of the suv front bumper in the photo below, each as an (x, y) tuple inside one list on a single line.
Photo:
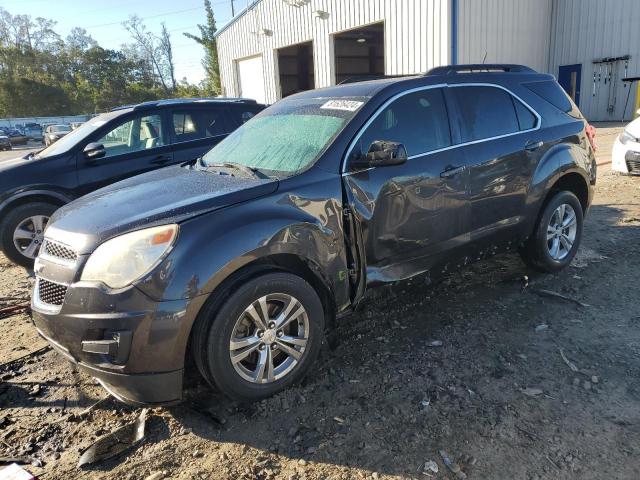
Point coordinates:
[(132, 344)]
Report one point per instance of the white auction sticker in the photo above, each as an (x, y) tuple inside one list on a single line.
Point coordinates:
[(348, 105), (98, 123)]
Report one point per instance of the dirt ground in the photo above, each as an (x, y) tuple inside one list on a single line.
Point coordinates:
[(522, 386)]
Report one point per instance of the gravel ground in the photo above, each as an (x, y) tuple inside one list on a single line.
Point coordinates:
[(507, 382)]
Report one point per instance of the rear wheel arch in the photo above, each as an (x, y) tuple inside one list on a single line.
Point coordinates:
[(572, 182)]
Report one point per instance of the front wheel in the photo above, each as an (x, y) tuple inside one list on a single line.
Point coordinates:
[(557, 235), (262, 339), (22, 232)]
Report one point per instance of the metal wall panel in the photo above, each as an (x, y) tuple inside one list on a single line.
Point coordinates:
[(417, 36), (586, 30), (505, 31)]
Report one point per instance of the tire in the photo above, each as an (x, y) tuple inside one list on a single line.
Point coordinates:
[(16, 218), (539, 251), (220, 321)]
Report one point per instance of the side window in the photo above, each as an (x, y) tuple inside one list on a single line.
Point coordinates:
[(418, 120), (140, 133), (485, 112), (526, 119), (241, 114), (192, 124)]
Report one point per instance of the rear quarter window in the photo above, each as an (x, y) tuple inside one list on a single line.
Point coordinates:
[(485, 112), (553, 93), (240, 114)]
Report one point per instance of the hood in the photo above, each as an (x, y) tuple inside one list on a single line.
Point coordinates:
[(11, 163), (168, 195), (634, 128)]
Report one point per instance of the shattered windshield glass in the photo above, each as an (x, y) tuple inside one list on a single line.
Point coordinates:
[(288, 137)]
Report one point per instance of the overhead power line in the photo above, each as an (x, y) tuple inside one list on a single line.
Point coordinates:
[(174, 12)]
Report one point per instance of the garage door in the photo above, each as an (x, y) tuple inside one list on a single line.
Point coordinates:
[(251, 78)]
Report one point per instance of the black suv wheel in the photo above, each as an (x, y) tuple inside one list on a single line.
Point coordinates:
[(22, 231), (557, 235), (262, 339)]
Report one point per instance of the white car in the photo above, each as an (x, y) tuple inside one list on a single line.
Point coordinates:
[(626, 150)]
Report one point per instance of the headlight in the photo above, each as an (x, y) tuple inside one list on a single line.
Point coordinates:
[(122, 260), (626, 137)]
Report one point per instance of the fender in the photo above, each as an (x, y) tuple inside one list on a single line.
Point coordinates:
[(560, 160), (283, 223)]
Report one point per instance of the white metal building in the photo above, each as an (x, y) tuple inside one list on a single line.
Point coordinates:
[(277, 47)]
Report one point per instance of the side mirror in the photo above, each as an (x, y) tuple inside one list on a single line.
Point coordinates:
[(382, 154), (94, 151)]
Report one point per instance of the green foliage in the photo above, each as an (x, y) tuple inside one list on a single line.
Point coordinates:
[(207, 39), (41, 74)]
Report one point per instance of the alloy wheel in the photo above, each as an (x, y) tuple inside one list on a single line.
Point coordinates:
[(29, 234), (561, 232), (269, 338)]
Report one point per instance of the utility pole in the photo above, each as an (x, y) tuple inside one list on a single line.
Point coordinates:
[(233, 10)]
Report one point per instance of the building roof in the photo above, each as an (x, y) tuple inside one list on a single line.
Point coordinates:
[(241, 14)]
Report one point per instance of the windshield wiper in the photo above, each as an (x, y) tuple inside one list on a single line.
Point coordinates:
[(243, 168)]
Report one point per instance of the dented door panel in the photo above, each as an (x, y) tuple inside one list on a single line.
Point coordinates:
[(409, 215)]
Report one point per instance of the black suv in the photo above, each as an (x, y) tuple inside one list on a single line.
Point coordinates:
[(116, 145), (243, 258)]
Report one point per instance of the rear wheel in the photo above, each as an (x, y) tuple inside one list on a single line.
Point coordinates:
[(262, 339), (557, 235), (22, 232)]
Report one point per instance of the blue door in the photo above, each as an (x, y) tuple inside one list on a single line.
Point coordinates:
[(569, 77)]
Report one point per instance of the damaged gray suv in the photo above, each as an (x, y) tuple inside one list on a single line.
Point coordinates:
[(243, 259)]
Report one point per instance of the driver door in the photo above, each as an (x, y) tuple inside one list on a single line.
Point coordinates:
[(411, 216), (135, 144)]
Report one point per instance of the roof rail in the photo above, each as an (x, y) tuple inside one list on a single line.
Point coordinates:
[(368, 77), (480, 68), (179, 101)]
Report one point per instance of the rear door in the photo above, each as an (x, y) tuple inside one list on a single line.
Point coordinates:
[(411, 216), (136, 143), (501, 141)]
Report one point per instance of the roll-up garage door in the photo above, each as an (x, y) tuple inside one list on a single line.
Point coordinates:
[(251, 78)]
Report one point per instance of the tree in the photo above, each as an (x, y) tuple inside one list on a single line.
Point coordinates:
[(79, 39), (155, 50), (208, 41), (167, 53), (42, 74)]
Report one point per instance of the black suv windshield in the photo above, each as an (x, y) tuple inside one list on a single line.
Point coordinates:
[(287, 137), (67, 142)]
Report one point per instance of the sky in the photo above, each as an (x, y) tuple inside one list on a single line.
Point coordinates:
[(103, 21)]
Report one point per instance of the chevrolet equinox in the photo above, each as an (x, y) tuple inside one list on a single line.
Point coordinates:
[(243, 258)]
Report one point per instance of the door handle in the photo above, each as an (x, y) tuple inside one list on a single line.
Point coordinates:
[(160, 159), (451, 171), (533, 146)]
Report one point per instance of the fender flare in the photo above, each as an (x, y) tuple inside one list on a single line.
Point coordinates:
[(24, 194), (559, 161)]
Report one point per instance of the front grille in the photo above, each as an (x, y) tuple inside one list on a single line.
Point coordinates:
[(633, 165), (59, 250), (50, 292)]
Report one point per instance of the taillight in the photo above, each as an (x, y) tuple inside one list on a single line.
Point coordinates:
[(590, 130)]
